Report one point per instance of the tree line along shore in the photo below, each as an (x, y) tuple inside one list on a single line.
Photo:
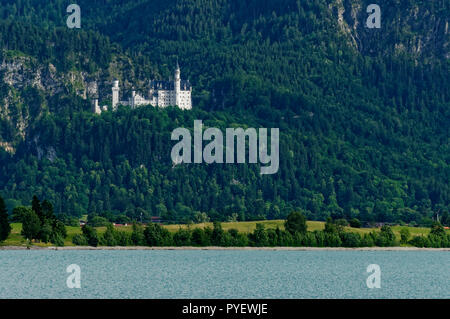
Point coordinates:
[(38, 226)]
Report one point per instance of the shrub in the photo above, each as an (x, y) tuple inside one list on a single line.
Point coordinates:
[(98, 221), (239, 239), (46, 231), (123, 238), (56, 239), (259, 237), (355, 223), (298, 239), (404, 235), (350, 239), (80, 240), (199, 237), (272, 237), (320, 238), (217, 235), (295, 222), (341, 222), (182, 237), (437, 229), (285, 239), (330, 226), (420, 241), (91, 235), (109, 237), (309, 240), (367, 241), (156, 235), (386, 237), (137, 236), (332, 240), (60, 228)]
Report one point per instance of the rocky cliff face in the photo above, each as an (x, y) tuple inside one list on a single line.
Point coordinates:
[(22, 79), (420, 30), (21, 72)]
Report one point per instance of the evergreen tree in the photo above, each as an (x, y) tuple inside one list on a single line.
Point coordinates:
[(31, 225), (5, 227), (37, 208)]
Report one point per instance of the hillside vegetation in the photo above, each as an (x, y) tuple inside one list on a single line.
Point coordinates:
[(364, 114)]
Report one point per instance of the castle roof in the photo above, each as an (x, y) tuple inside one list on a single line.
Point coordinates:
[(169, 85)]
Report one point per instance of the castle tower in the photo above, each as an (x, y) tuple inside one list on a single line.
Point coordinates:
[(133, 99), (95, 108), (150, 90), (115, 94), (177, 84)]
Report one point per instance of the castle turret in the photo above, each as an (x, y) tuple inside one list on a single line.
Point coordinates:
[(133, 99), (115, 94), (177, 84), (95, 108)]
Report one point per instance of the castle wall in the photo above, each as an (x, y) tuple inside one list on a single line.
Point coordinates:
[(185, 101)]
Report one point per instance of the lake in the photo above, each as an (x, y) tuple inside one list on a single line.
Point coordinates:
[(224, 274)]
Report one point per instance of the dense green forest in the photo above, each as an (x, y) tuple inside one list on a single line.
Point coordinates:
[(364, 114)]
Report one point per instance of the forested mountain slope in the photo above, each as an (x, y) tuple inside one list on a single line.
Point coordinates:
[(363, 113)]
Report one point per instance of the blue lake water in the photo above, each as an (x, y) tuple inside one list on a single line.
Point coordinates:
[(224, 274)]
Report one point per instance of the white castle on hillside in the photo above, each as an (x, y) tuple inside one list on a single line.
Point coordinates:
[(161, 94)]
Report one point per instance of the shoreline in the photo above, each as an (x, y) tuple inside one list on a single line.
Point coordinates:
[(225, 248)]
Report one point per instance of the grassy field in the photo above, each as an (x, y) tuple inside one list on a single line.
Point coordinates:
[(248, 227), (15, 239)]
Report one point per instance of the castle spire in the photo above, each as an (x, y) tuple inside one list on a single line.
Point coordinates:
[(177, 85), (115, 94)]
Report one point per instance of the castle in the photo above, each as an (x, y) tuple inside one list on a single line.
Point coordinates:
[(161, 94)]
